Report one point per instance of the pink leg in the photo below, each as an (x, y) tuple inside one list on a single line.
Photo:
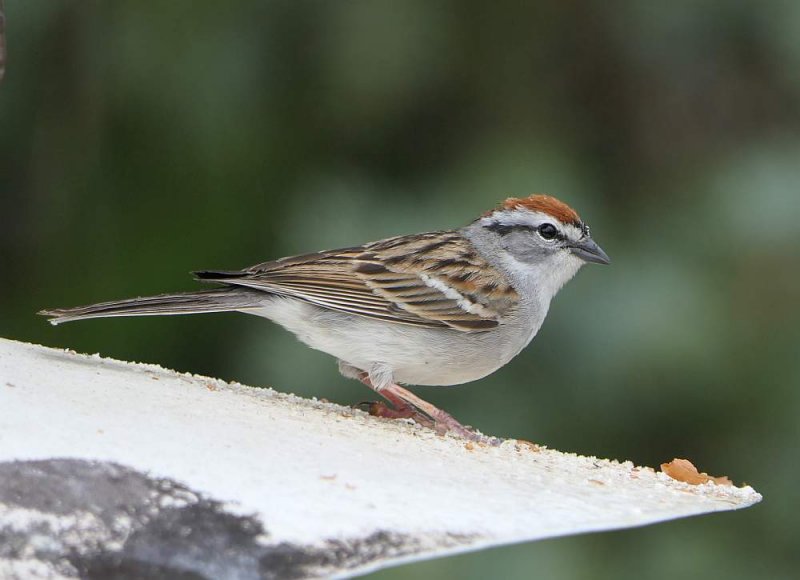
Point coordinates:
[(399, 409), (407, 404)]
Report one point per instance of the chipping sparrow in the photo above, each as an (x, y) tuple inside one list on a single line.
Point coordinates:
[(439, 308)]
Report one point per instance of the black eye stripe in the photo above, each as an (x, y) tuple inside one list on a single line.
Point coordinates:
[(505, 229)]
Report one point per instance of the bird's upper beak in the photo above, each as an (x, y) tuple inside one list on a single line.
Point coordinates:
[(588, 251)]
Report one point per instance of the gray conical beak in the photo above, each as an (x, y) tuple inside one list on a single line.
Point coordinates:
[(588, 251)]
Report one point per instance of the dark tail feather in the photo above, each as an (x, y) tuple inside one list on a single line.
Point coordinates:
[(212, 275), (217, 300)]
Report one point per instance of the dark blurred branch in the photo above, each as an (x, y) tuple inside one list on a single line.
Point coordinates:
[(2, 40)]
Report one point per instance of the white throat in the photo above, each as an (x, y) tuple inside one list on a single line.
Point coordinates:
[(541, 282)]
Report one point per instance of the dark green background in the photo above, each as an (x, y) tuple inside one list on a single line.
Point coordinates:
[(142, 140)]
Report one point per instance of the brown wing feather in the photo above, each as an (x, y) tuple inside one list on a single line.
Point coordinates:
[(403, 279)]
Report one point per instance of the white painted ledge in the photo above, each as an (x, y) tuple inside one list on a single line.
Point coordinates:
[(106, 463)]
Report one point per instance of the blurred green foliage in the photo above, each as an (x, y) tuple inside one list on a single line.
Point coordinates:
[(139, 141)]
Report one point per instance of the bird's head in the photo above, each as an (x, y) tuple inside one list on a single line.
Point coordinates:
[(541, 236)]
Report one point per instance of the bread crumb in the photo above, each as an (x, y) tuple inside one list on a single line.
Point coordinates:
[(684, 470)]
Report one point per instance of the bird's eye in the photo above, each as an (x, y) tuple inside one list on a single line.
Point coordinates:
[(548, 231)]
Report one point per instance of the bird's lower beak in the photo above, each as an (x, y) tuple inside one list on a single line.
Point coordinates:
[(588, 251)]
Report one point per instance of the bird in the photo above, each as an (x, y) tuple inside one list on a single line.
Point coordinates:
[(437, 308)]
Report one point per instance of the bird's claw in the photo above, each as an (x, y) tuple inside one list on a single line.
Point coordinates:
[(442, 423), (380, 409)]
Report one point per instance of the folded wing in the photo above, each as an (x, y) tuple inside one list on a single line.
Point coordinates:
[(434, 280)]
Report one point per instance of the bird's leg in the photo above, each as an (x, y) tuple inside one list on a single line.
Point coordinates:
[(443, 422), (399, 409), (406, 405)]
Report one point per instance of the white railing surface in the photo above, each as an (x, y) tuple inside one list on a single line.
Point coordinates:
[(112, 467)]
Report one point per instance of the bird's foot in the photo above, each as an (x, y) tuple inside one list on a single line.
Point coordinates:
[(433, 417), (444, 422), (380, 409), (406, 405)]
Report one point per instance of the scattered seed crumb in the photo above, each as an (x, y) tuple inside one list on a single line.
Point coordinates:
[(529, 444), (469, 446), (684, 470), (596, 481), (211, 386), (328, 477)]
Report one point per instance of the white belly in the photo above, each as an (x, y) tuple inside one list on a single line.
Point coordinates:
[(416, 356)]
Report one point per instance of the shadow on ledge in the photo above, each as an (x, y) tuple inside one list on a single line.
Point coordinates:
[(93, 519)]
